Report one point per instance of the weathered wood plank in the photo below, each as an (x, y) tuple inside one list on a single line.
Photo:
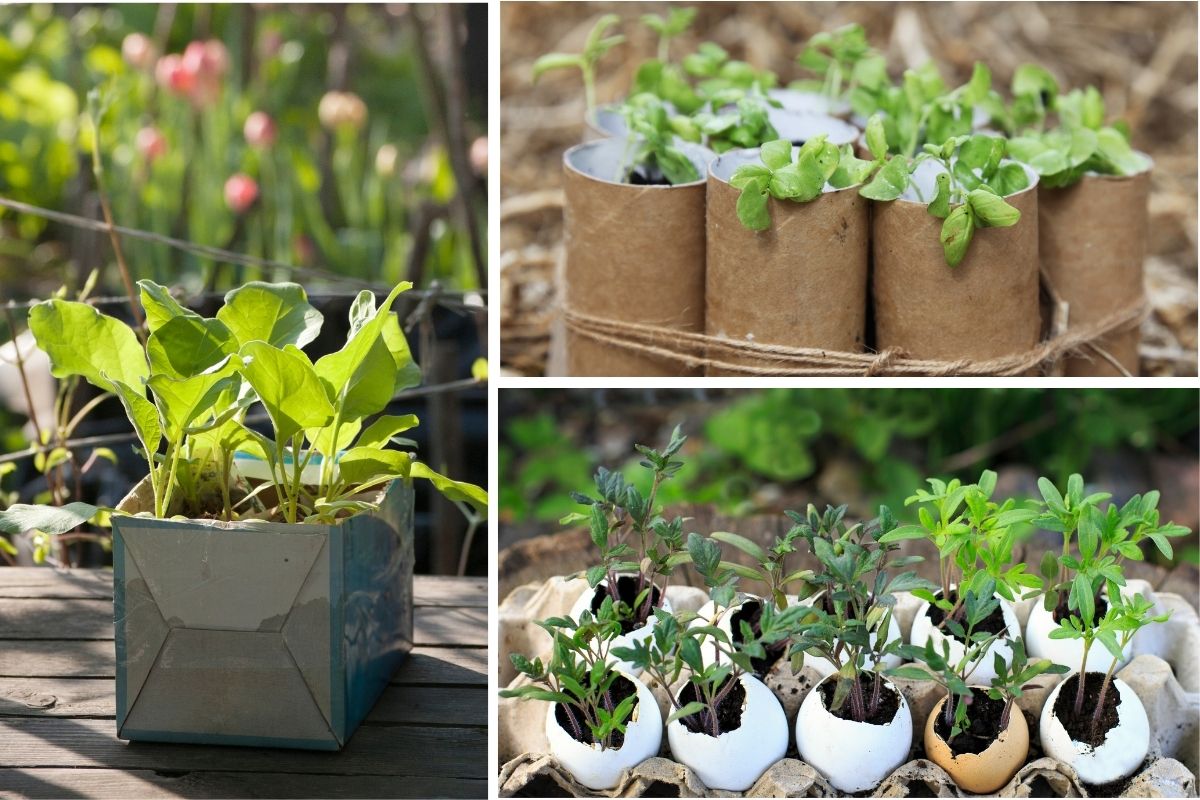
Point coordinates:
[(101, 784), (400, 704), (47, 582), (95, 659), (96, 584), (81, 618), (373, 750)]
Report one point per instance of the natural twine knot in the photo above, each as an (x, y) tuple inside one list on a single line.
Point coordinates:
[(883, 362)]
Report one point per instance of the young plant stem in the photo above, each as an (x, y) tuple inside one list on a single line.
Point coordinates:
[(1108, 676), (589, 88), (1087, 645), (1004, 715)]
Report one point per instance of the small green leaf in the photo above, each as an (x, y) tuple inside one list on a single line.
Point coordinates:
[(53, 520), (957, 232), (288, 387), (752, 205), (889, 182), (275, 313), (991, 210), (940, 207), (81, 341), (877, 137), (360, 465), (379, 432), (777, 154), (458, 491), (555, 61)]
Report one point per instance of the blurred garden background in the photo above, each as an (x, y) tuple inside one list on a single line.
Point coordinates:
[(751, 454), (1140, 55), (342, 147)]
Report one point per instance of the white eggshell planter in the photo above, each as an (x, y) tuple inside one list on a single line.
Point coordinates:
[(853, 756), (710, 614), (598, 768), (1124, 748), (923, 629), (584, 603), (734, 760)]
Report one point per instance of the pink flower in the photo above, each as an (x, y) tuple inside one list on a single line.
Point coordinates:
[(138, 51), (240, 193), (259, 130), (151, 143), (479, 155), (205, 63), (170, 75)]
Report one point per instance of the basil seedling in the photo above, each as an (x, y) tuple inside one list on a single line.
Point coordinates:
[(652, 155), (594, 49), (845, 62), (801, 180)]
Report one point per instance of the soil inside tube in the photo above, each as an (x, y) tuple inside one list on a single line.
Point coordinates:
[(621, 688), (648, 176)]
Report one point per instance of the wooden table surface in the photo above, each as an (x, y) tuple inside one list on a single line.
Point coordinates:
[(426, 737)]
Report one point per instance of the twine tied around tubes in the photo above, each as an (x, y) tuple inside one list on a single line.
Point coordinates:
[(692, 350)]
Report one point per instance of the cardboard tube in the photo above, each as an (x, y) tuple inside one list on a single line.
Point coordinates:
[(986, 307), (1092, 238), (634, 253), (801, 283), (602, 122)]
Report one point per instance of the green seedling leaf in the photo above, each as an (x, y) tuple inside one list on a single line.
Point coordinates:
[(940, 207), (288, 387), (360, 465), (52, 520), (889, 182), (877, 137), (752, 205), (81, 341), (142, 414), (182, 401), (747, 546), (159, 306), (321, 439), (552, 61), (275, 313), (776, 154), (379, 432), (457, 491), (185, 346), (991, 211), (957, 232)]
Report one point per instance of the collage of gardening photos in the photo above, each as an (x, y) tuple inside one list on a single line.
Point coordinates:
[(837, 433), (883, 588)]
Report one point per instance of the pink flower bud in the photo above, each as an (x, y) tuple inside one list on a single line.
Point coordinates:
[(171, 75), (479, 155), (259, 130), (204, 63), (138, 51), (216, 57), (240, 193), (150, 143)]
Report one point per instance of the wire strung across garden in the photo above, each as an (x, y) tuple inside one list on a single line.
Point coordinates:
[(217, 253)]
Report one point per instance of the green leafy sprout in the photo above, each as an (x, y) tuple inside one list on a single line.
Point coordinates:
[(817, 163), (652, 143), (595, 48), (676, 23), (578, 677), (203, 375), (845, 61)]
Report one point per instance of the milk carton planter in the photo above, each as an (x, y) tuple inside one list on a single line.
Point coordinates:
[(259, 633), (268, 611)]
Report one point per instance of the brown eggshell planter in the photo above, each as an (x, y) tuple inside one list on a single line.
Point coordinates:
[(986, 771)]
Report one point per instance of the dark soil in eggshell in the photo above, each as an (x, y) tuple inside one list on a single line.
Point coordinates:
[(1080, 729), (729, 712), (1061, 611), (889, 701), (627, 592), (621, 688), (750, 613), (993, 623), (984, 714)]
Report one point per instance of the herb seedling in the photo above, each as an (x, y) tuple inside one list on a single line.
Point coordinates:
[(578, 677), (651, 147), (858, 598), (676, 644), (677, 21), (845, 62), (801, 180), (632, 536), (596, 46), (1080, 143), (659, 76), (1103, 541), (770, 566), (1115, 630), (717, 74), (1013, 679), (971, 185), (739, 119)]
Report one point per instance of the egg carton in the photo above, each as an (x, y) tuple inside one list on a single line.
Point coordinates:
[(1164, 671)]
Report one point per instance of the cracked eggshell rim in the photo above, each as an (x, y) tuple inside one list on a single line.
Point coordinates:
[(734, 760), (1068, 652), (597, 768), (709, 614), (923, 629), (853, 756), (1124, 748), (824, 667), (981, 773), (584, 603)]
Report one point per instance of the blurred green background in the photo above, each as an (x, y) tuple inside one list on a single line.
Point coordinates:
[(368, 190), (753, 452)]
